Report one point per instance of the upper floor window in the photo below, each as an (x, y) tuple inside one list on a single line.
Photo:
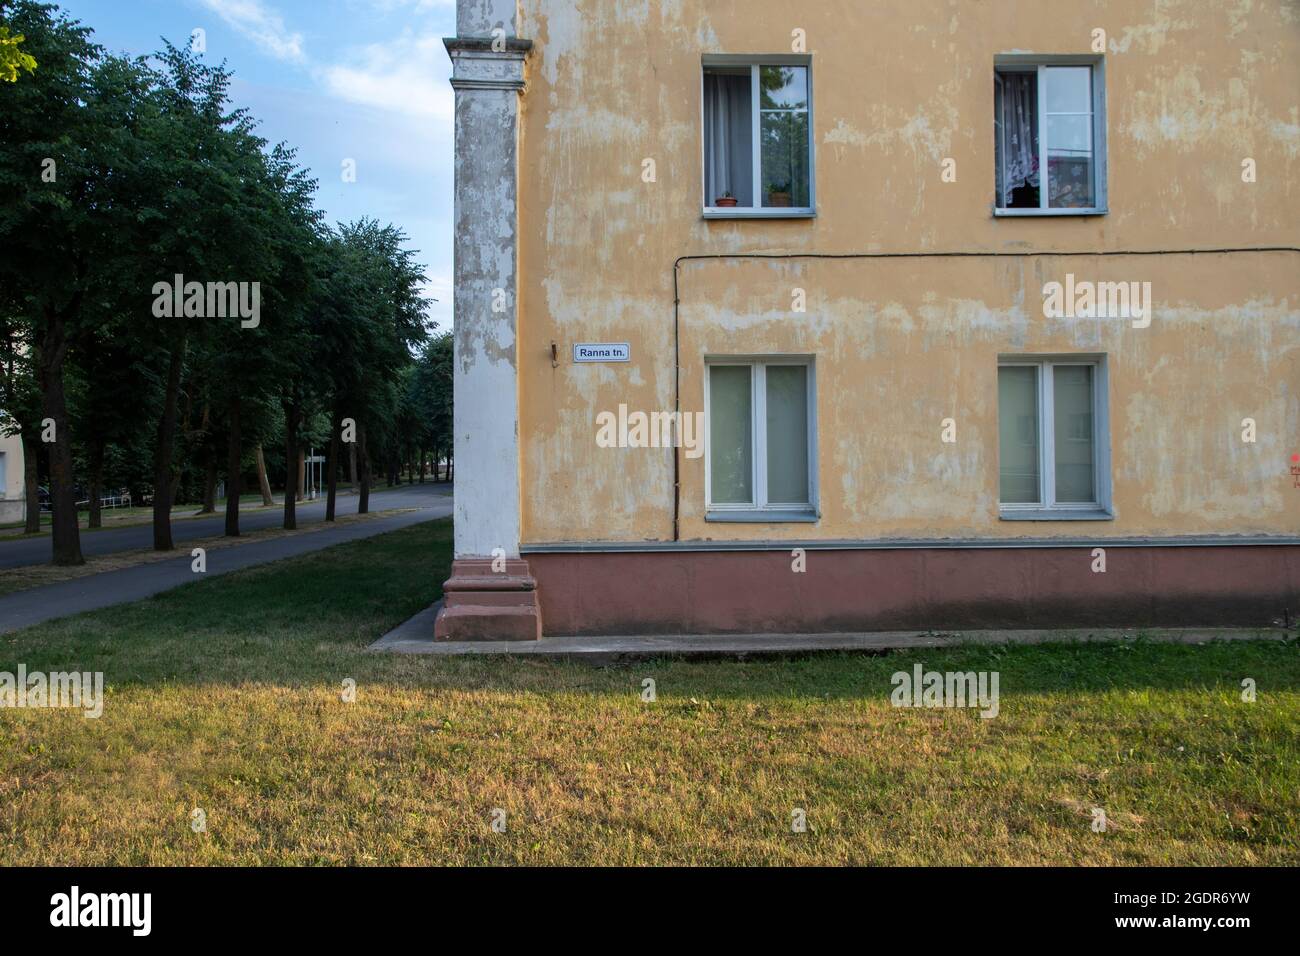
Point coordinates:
[(757, 138), (1050, 136)]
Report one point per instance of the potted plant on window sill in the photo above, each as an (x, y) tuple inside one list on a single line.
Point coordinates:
[(726, 200), (779, 194)]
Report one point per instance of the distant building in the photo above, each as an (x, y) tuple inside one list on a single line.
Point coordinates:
[(13, 498)]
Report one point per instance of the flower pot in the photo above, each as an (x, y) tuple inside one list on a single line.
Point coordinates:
[(779, 199), (727, 201)]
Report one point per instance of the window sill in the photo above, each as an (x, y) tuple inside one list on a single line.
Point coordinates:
[(1055, 514), (762, 516), (1014, 213), (777, 212)]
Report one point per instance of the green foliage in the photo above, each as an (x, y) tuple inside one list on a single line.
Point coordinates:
[(12, 59)]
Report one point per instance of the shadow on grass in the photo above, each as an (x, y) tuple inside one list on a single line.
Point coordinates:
[(308, 621)]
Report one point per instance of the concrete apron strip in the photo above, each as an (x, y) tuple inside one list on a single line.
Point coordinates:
[(416, 637)]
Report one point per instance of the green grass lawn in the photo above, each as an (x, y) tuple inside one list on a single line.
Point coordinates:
[(225, 696)]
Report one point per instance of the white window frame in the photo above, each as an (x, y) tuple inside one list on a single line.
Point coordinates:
[(1047, 508), (760, 509), (759, 211), (1015, 62)]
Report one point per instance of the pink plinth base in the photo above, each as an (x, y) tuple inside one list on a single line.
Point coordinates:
[(480, 604)]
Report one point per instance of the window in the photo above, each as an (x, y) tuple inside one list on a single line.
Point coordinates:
[(1053, 445), (758, 148), (1049, 136), (761, 463)]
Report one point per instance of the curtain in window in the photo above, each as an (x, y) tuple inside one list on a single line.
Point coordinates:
[(787, 434), (1072, 388), (1020, 121), (728, 131), (1018, 434), (731, 440)]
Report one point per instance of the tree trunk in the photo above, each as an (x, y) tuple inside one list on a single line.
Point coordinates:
[(96, 483), (210, 483), (332, 467), (162, 455), (263, 483), (209, 502), (302, 471), (352, 464), (234, 483), (363, 476), (291, 451), (65, 535), (31, 481)]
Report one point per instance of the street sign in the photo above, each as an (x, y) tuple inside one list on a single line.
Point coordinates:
[(602, 352)]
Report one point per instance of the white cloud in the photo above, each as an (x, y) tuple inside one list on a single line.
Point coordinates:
[(404, 75), (414, 6), (262, 25)]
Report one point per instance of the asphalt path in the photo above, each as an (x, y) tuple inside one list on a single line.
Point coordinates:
[(35, 605), (19, 552)]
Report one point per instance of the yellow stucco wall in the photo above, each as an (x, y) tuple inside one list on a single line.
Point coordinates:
[(1192, 88)]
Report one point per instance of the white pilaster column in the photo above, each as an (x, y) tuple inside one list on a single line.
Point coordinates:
[(488, 76), (487, 599)]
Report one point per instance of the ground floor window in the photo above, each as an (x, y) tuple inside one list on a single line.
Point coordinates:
[(1053, 446), (760, 438)]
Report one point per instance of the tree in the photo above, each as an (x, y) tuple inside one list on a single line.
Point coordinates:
[(113, 393), (373, 315), (430, 397), (202, 222), (70, 151)]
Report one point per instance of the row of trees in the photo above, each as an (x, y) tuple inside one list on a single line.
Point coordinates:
[(121, 178)]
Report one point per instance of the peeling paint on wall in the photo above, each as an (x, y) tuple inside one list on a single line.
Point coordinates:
[(900, 344)]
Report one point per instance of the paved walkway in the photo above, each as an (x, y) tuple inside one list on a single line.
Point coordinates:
[(19, 551), (416, 637), (25, 608)]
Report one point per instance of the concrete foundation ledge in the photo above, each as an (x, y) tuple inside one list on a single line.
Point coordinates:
[(413, 638)]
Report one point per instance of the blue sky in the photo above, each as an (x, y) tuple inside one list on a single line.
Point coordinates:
[(339, 79)]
